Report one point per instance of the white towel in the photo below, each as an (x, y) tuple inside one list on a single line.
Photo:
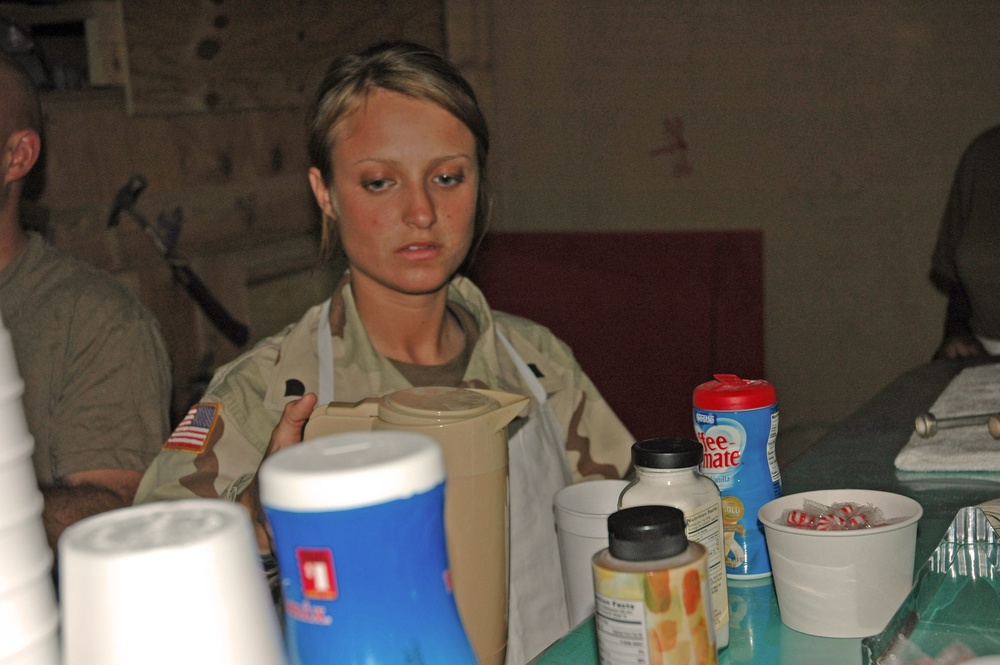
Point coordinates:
[(974, 391), (992, 510)]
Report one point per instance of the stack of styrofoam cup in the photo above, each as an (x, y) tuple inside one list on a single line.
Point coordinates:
[(164, 584), (29, 615)]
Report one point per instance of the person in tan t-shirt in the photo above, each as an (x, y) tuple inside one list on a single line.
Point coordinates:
[(95, 368)]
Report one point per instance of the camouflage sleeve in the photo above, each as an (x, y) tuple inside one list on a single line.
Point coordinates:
[(598, 445), (216, 450)]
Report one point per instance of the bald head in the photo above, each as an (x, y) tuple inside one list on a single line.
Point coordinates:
[(19, 108)]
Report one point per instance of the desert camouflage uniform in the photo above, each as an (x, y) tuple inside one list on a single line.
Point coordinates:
[(249, 394)]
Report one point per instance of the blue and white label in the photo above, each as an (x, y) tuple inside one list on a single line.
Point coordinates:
[(369, 585), (740, 457)]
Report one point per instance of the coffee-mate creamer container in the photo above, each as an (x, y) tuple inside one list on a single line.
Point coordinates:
[(736, 422)]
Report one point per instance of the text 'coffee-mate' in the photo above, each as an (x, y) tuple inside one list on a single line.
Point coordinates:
[(736, 422)]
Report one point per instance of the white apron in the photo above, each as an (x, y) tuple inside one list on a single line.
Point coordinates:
[(537, 604), (537, 614)]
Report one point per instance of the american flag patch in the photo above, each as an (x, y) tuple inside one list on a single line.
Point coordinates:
[(192, 433)]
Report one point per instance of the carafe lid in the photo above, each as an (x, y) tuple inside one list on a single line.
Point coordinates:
[(437, 403), (667, 453), (646, 533)]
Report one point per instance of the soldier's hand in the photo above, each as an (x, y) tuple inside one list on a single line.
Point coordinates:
[(288, 431)]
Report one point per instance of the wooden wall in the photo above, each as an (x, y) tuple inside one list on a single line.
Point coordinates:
[(206, 99)]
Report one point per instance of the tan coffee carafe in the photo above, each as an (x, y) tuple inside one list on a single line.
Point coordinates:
[(470, 424)]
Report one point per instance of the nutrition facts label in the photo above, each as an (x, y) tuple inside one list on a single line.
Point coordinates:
[(621, 631), (704, 526)]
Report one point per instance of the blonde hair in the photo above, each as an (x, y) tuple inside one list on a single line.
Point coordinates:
[(408, 69)]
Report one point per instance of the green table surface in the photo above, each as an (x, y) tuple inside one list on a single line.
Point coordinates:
[(858, 453)]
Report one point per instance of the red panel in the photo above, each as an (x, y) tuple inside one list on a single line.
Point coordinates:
[(649, 315)]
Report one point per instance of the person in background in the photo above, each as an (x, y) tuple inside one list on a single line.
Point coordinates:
[(966, 260), (95, 368), (398, 148)]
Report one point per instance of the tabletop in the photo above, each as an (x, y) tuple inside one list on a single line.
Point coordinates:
[(858, 453)]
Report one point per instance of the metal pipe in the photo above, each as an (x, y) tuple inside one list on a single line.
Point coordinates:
[(927, 424)]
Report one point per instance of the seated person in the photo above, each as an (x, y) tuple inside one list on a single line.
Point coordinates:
[(95, 369), (966, 261), (398, 148)]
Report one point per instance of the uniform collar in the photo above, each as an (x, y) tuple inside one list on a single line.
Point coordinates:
[(360, 371)]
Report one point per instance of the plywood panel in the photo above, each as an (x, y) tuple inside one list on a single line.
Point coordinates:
[(101, 20), (93, 147), (198, 55), (219, 181)]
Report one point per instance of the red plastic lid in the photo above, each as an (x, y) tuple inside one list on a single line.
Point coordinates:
[(729, 392)]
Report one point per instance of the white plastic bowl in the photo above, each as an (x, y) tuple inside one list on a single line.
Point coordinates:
[(841, 583)]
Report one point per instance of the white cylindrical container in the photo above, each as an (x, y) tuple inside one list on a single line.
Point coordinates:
[(166, 583), (667, 474)]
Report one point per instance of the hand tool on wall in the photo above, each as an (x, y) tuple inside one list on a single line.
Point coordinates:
[(125, 199)]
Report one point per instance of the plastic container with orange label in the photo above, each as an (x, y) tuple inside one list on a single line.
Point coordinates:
[(651, 587)]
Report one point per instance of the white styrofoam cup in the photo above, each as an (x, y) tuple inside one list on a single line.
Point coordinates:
[(15, 440), (161, 583), (43, 651), (28, 614), (581, 513), (19, 493), (24, 552), (10, 375)]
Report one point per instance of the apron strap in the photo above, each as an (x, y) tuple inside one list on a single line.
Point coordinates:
[(537, 390), (324, 350)]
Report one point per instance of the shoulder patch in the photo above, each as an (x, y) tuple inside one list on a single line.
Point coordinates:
[(193, 431)]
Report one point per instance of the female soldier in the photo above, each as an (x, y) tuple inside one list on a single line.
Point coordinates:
[(398, 148)]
